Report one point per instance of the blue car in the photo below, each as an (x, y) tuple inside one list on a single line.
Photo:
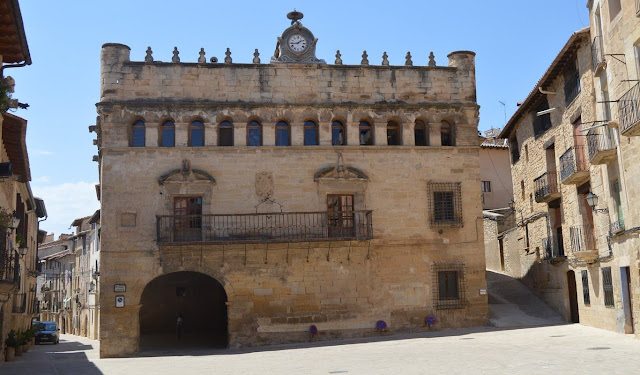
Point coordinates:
[(47, 331)]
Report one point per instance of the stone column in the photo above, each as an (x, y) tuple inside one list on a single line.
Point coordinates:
[(182, 134), (435, 138), (210, 134), (380, 134), (324, 134), (408, 138), (151, 135), (239, 134), (269, 134), (353, 132), (297, 133)]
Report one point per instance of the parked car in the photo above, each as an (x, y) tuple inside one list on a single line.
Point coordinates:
[(47, 331)]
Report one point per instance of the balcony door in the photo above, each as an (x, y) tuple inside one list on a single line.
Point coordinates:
[(588, 230), (340, 215), (187, 216)]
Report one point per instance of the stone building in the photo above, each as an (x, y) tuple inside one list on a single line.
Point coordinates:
[(573, 145), (19, 209), (495, 172), (69, 274), (286, 201)]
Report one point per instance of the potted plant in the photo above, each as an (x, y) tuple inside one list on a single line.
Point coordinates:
[(20, 241), (11, 342), (5, 95)]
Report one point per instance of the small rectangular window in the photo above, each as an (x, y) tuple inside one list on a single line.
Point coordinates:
[(448, 285), (541, 123), (514, 149), (614, 8), (445, 204), (585, 288), (607, 286), (486, 186)]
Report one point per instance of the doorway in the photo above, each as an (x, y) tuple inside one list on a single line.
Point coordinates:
[(627, 299), (198, 298), (573, 297)]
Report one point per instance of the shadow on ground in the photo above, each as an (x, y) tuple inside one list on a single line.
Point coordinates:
[(511, 306), (67, 357)]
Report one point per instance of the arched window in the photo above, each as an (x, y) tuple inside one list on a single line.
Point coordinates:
[(421, 134), (447, 134), (168, 134), (394, 135), (254, 134), (282, 134), (196, 134), (366, 134), (137, 134), (338, 135), (310, 133), (225, 134)]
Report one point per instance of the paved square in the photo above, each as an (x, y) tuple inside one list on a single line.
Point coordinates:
[(563, 349)]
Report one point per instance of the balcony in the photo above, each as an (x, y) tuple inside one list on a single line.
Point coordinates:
[(8, 270), (553, 247), (546, 187), (629, 111), (616, 226), (583, 243), (597, 54), (574, 168), (19, 303), (602, 146), (265, 227)]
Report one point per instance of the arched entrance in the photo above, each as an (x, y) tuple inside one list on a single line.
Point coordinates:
[(200, 299)]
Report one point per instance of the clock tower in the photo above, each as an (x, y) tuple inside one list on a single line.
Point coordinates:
[(297, 44)]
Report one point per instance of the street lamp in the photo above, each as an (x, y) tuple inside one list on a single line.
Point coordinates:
[(512, 205), (592, 201), (15, 221), (22, 250)]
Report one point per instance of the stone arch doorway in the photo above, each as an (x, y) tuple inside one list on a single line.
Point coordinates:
[(199, 298)]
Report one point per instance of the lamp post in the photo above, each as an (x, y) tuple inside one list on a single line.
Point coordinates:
[(15, 221), (592, 201)]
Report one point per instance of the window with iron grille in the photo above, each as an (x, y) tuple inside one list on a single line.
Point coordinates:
[(541, 123), (445, 204), (448, 285), (571, 84), (607, 286), (486, 186), (585, 288)]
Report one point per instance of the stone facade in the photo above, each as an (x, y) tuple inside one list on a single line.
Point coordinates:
[(276, 284), (18, 244), (581, 258), (495, 173)]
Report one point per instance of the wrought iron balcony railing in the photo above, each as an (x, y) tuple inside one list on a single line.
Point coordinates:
[(553, 247), (616, 226), (546, 186), (582, 238), (265, 227), (601, 144), (597, 53), (9, 265), (572, 162), (629, 111), (19, 303)]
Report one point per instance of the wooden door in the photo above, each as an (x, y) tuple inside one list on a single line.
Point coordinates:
[(573, 297), (340, 215), (187, 213)]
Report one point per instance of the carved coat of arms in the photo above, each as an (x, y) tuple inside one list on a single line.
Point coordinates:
[(264, 185)]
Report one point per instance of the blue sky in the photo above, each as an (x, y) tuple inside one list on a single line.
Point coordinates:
[(515, 42)]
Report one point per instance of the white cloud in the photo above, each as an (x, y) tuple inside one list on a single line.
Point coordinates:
[(43, 152), (65, 203), (42, 179)]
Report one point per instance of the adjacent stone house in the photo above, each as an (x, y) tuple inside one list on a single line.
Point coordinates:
[(19, 209), (285, 201), (573, 151)]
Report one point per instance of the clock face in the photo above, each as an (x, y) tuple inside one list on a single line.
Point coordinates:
[(297, 43)]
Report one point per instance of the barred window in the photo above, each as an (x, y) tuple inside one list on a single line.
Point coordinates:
[(585, 288), (445, 204), (448, 285), (607, 286)]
